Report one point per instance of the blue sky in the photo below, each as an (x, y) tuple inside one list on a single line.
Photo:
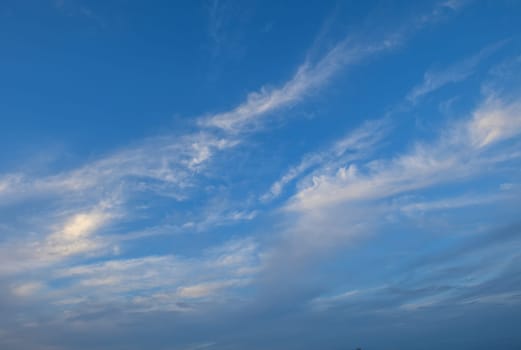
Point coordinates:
[(260, 175)]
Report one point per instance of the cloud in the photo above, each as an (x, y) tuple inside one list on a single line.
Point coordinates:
[(66, 235), (83, 290), (26, 289), (309, 77), (342, 201), (153, 282), (202, 290), (173, 165), (219, 18), (8, 182), (436, 79), (77, 8), (170, 166), (495, 121), (456, 4), (455, 155), (162, 164), (355, 145), (451, 203), (82, 224), (83, 200), (312, 75)]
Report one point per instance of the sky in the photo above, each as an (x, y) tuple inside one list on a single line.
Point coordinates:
[(265, 175)]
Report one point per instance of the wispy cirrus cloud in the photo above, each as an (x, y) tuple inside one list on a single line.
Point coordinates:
[(172, 165), (460, 152), (459, 71), (66, 235), (347, 199), (312, 75), (168, 279), (309, 77), (355, 145)]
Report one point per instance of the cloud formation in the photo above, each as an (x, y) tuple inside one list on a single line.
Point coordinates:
[(170, 242)]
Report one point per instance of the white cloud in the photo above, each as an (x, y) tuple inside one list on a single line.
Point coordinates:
[(81, 225), (507, 186), (451, 203), (167, 166), (312, 75), (202, 290), (343, 201), (494, 122), (435, 79), (455, 4), (26, 289), (355, 145), (9, 182), (76, 234), (156, 280), (323, 303), (71, 234), (162, 164), (507, 298), (308, 77), (455, 155)]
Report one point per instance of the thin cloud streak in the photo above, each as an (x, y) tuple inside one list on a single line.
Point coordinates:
[(311, 76), (357, 144), (306, 80), (436, 79)]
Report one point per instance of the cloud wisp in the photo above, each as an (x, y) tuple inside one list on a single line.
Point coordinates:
[(312, 75), (436, 79), (461, 151)]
